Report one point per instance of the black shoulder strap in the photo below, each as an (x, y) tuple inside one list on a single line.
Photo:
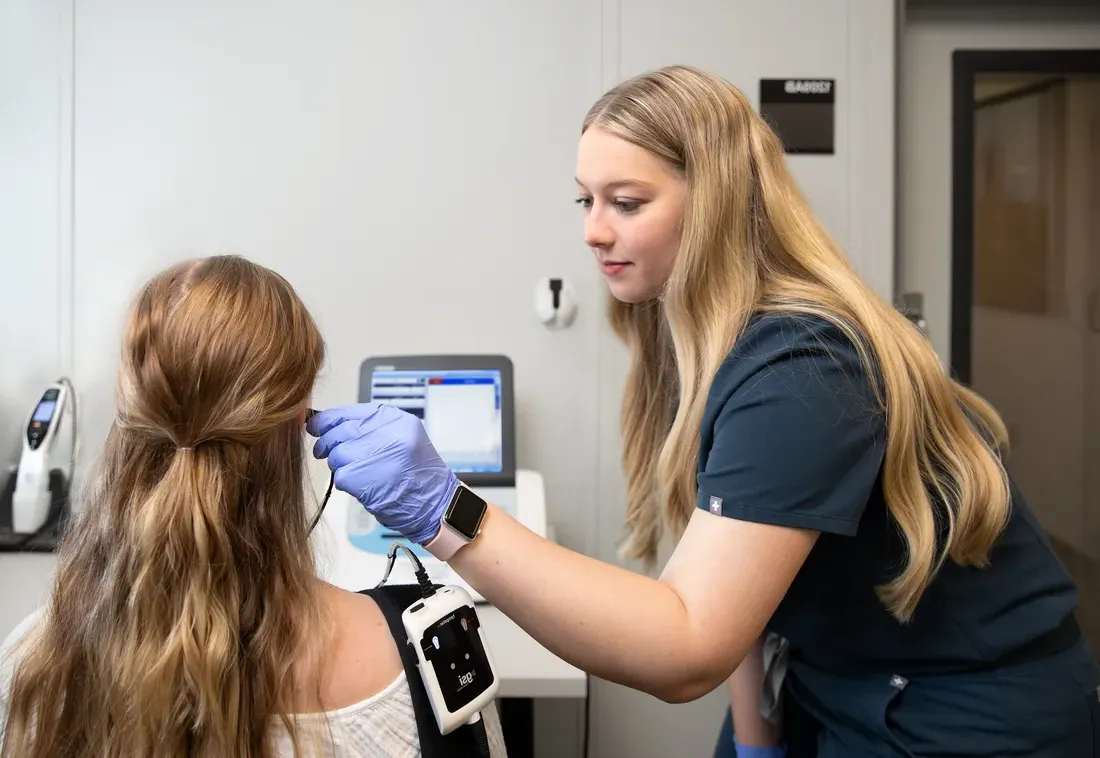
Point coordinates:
[(393, 599)]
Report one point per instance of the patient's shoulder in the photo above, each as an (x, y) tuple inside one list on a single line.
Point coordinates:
[(10, 651), (18, 635), (363, 659)]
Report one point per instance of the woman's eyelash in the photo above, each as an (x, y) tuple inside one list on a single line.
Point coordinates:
[(625, 206)]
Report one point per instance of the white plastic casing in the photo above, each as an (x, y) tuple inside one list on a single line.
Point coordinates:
[(417, 619), (562, 316), (31, 499)]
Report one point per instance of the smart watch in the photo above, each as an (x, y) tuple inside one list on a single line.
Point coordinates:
[(459, 525)]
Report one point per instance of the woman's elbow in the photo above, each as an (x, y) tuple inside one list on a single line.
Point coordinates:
[(693, 683)]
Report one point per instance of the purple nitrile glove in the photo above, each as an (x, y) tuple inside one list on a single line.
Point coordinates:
[(381, 456), (748, 751)]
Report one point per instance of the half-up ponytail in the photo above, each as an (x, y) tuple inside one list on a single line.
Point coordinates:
[(187, 629), (186, 590)]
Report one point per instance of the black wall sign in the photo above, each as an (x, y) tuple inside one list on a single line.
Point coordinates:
[(802, 113)]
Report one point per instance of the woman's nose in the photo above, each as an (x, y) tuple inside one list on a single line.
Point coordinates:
[(597, 232)]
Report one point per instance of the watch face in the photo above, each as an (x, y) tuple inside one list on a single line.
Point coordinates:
[(465, 513)]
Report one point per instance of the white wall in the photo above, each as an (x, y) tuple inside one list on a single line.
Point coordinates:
[(35, 317), (412, 175)]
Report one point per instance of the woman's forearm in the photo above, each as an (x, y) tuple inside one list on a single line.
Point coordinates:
[(746, 691), (615, 624)]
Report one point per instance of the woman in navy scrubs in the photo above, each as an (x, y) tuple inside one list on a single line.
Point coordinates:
[(827, 480)]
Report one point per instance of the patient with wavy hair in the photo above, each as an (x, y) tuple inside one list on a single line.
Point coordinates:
[(186, 617)]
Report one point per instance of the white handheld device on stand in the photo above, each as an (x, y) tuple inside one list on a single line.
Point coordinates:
[(32, 497)]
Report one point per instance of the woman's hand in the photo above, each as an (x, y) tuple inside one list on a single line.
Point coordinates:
[(381, 456)]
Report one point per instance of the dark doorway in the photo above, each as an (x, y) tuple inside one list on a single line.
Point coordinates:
[(1025, 308)]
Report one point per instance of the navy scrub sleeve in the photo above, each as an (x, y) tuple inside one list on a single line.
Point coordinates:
[(793, 435)]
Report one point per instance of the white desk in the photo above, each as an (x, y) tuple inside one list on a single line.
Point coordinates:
[(527, 669)]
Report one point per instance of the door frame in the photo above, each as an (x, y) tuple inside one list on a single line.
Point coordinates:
[(966, 65)]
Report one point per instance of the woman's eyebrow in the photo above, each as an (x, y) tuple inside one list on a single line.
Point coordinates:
[(620, 183)]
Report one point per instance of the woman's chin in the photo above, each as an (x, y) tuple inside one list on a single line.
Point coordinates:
[(631, 292)]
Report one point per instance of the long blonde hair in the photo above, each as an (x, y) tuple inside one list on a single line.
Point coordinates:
[(185, 592), (751, 243)]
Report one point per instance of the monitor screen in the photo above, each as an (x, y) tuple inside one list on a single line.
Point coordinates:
[(460, 409)]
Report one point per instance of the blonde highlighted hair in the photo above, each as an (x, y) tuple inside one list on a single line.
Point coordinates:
[(751, 243), (185, 594)]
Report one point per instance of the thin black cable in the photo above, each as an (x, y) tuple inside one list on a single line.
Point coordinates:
[(324, 502), (587, 712), (310, 413), (427, 589), (481, 739)]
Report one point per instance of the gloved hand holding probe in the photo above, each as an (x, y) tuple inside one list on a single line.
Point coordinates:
[(382, 457)]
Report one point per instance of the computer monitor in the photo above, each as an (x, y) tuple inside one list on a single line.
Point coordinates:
[(465, 403)]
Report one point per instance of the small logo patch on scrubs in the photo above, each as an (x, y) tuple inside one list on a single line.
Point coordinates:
[(716, 505)]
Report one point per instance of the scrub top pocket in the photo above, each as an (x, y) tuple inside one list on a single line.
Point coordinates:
[(867, 726)]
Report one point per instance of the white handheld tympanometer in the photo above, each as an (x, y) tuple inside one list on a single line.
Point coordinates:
[(455, 662), (444, 631)]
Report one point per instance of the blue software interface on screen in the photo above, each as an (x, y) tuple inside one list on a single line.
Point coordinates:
[(460, 410)]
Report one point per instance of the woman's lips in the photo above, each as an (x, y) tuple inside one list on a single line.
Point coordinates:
[(610, 268)]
